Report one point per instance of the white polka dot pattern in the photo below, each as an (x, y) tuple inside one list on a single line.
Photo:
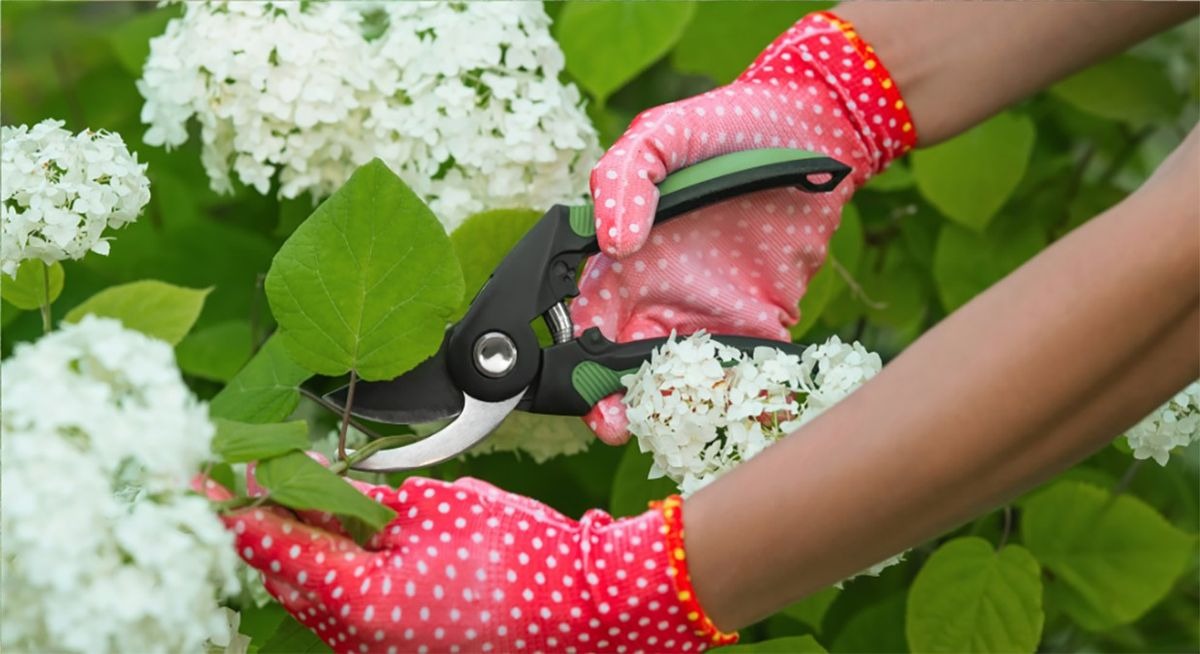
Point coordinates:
[(467, 567), (739, 267)]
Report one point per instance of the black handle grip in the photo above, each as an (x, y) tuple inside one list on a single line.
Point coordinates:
[(739, 173), (577, 374)]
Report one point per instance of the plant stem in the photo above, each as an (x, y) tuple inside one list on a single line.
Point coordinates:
[(368, 450), (47, 321), (856, 289), (236, 503), (1008, 522), (346, 415), (255, 300), (333, 408)]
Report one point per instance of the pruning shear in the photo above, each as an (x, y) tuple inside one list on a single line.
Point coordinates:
[(490, 362)]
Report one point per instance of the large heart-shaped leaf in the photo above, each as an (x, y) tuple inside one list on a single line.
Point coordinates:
[(1113, 556), (368, 282), (971, 176), (266, 390), (970, 598)]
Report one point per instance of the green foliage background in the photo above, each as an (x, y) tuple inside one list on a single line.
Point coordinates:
[(1102, 559)]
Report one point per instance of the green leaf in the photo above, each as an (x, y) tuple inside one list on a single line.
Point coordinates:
[(878, 627), (297, 481), (725, 36), (1125, 88), (266, 390), (631, 491), (791, 645), (966, 262), (970, 598), (239, 442), (811, 610), (606, 44), (845, 250), (1113, 557), (293, 638), (368, 282), (157, 309), (216, 352), (897, 292), (130, 41), (483, 240), (896, 177), (29, 289), (261, 622), (971, 176)]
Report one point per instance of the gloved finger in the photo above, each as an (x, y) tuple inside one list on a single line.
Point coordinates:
[(527, 505), (299, 602), (664, 139), (624, 181), (210, 489), (607, 420), (283, 548)]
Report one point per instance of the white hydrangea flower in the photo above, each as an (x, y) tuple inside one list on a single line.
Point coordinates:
[(60, 191), (700, 407), (461, 99), (231, 641), (1174, 424), (105, 547)]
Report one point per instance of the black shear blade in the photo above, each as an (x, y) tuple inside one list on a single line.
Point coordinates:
[(424, 394)]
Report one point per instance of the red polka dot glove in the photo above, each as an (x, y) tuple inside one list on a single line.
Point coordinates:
[(467, 567), (739, 267)]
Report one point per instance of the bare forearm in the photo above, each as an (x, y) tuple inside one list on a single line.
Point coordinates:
[(1118, 401), (958, 423), (959, 62)]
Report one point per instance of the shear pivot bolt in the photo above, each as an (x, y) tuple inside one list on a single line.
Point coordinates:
[(495, 354)]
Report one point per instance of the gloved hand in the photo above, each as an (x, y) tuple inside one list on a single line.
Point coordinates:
[(739, 267), (467, 567)]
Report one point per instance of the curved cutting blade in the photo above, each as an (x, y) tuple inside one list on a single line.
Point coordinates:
[(424, 394), (477, 420)]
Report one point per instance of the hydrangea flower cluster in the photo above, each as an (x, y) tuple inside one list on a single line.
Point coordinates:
[(59, 191), (101, 440), (701, 407), (1174, 424), (461, 99)]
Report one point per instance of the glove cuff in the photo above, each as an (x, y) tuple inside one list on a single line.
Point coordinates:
[(822, 47), (702, 626)]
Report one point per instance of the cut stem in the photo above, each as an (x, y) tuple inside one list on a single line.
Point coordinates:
[(346, 415)]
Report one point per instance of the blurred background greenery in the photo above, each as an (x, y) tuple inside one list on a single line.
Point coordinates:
[(939, 227)]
